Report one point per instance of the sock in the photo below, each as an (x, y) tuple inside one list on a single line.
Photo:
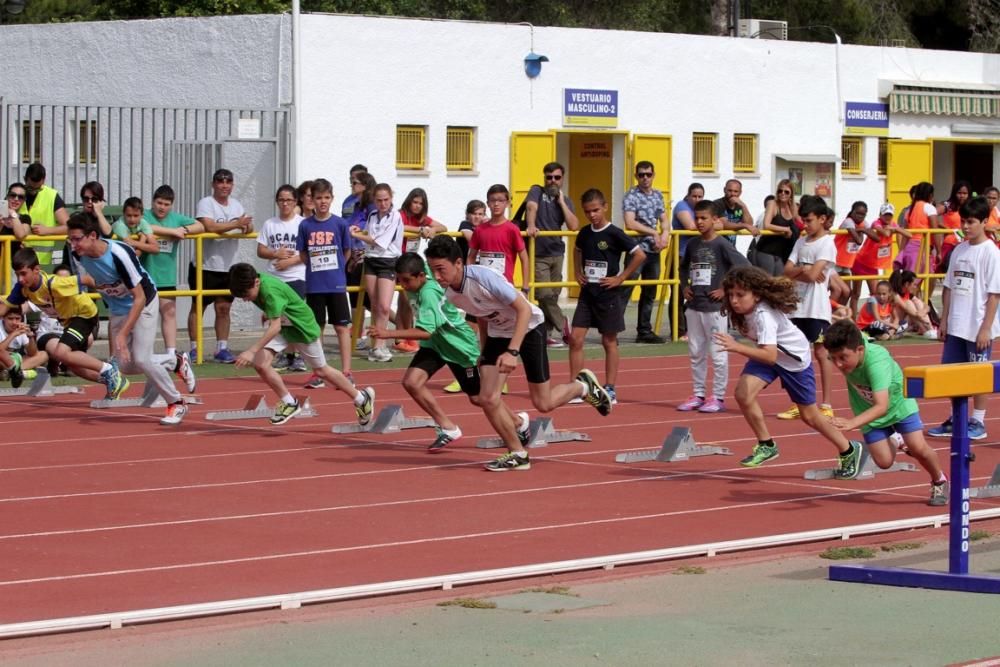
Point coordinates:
[(825, 406), (172, 351), (979, 416), (222, 345), (454, 432), (288, 399), (768, 443), (941, 480), (105, 368), (360, 398), (521, 455)]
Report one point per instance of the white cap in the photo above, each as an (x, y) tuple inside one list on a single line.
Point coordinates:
[(887, 208)]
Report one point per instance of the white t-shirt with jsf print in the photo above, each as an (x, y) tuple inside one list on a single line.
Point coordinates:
[(973, 274), (814, 298)]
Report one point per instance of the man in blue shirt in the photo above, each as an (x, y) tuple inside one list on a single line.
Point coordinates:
[(683, 219), (645, 212), (114, 270)]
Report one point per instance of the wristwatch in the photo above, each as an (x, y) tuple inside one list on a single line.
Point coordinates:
[(512, 352)]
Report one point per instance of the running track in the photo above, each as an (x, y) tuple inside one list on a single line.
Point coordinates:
[(104, 511)]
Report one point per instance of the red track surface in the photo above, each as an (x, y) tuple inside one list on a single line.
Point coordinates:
[(107, 510)]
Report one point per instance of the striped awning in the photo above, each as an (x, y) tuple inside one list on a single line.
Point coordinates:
[(976, 102)]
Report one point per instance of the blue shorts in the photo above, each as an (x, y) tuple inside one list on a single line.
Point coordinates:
[(960, 351), (902, 427), (800, 385)]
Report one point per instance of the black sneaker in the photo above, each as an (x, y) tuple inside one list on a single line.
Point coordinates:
[(650, 339), (850, 462), (443, 440), (596, 394), (509, 461)]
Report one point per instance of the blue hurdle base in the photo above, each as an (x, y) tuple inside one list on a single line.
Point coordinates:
[(900, 576)]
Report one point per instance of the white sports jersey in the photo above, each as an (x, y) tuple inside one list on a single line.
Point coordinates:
[(486, 294)]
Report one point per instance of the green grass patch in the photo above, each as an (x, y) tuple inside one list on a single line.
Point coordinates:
[(847, 553), (468, 603), (689, 569), (553, 590), (977, 535), (902, 546)]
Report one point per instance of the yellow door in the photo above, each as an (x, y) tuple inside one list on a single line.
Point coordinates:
[(909, 163), (658, 149), (590, 166), (529, 153)]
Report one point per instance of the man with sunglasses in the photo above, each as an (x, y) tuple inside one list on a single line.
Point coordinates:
[(643, 210), (47, 211), (547, 209)]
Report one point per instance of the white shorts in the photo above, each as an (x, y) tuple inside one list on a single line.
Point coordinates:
[(312, 353)]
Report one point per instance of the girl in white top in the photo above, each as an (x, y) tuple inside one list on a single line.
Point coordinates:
[(383, 238), (276, 242), (758, 305)]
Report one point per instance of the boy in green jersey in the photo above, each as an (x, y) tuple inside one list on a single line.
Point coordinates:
[(445, 339), (291, 324), (875, 389)]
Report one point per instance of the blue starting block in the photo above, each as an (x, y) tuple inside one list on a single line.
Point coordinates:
[(957, 382)]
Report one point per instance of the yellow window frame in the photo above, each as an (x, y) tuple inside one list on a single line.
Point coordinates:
[(745, 153), (704, 152), (851, 155), (411, 141), (460, 151)]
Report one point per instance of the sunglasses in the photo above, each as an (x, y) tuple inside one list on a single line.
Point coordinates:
[(784, 192), (644, 174), (355, 182), (89, 199), (286, 201), (17, 195), (553, 177)]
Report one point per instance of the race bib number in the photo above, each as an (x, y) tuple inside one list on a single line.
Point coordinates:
[(501, 321), (594, 270), (701, 275), (884, 251), (853, 248), (323, 259), (496, 261), (117, 289), (166, 245), (962, 282)]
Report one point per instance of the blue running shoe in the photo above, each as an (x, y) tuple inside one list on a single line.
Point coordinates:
[(942, 431), (977, 430), (225, 357)]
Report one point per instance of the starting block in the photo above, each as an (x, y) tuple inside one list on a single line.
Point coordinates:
[(678, 446), (41, 386), (150, 399), (540, 433), (257, 408), (868, 468), (389, 419), (992, 488)]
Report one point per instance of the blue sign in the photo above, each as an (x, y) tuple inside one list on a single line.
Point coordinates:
[(590, 108), (868, 118)]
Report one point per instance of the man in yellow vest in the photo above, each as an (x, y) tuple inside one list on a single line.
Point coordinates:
[(48, 215)]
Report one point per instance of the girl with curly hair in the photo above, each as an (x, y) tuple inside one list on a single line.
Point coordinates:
[(758, 306)]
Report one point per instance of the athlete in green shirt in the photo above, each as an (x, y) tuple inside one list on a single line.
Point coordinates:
[(445, 339), (291, 324), (875, 389)]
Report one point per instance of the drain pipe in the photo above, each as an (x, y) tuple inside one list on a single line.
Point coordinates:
[(296, 90)]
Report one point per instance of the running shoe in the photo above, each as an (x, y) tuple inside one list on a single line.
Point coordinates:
[(16, 374), (510, 461), (826, 411), (713, 404), (503, 390), (185, 372), (444, 438), (361, 345), (554, 342), (224, 356), (760, 454), (523, 427), (850, 462), (939, 494), (790, 413), (113, 379), (611, 392), (315, 382), (281, 363), (175, 414), (977, 431), (193, 354), (942, 431), (284, 412), (595, 395), (30, 374), (693, 403), (453, 388), (379, 354), (365, 410), (298, 365)]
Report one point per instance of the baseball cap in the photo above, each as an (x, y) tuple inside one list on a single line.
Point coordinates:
[(887, 208)]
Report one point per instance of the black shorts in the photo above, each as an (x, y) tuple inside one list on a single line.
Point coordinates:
[(431, 362), (77, 332), (333, 305), (298, 286), (534, 354), (210, 280), (811, 327), (604, 311), (381, 267)]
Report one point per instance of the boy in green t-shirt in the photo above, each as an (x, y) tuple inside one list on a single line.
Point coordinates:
[(133, 230), (875, 390), (291, 324), (445, 339)]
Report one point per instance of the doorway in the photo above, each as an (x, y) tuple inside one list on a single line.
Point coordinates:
[(974, 163)]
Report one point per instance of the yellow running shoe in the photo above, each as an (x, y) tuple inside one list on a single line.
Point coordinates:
[(504, 391), (826, 411), (453, 388), (790, 413)]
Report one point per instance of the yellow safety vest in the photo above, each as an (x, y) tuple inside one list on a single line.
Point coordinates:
[(43, 213)]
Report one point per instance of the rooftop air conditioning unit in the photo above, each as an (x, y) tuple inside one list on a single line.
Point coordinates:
[(763, 29)]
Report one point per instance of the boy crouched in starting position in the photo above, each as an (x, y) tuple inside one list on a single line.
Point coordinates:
[(875, 389), (291, 324)]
